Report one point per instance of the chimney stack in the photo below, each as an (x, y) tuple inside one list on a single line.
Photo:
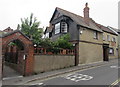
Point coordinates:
[(86, 14)]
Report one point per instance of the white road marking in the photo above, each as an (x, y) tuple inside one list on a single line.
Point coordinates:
[(116, 67), (37, 84), (7, 78), (78, 77)]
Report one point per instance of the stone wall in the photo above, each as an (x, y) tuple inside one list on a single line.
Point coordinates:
[(44, 63), (89, 53)]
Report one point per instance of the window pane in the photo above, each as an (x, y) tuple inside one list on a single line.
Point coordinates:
[(64, 27), (95, 35), (111, 51), (57, 28), (108, 37)]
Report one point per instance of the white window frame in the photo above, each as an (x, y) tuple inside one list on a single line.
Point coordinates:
[(111, 51), (113, 39), (103, 37), (108, 37), (95, 35), (64, 27), (57, 28)]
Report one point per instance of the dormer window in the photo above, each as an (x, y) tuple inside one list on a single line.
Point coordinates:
[(57, 28), (61, 27), (64, 27)]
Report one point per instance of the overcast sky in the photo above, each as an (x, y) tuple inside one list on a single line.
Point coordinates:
[(104, 12)]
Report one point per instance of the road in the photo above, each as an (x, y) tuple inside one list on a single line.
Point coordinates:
[(103, 75)]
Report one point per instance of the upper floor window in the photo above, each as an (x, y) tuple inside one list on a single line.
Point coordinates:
[(95, 35), (108, 37), (103, 37), (113, 39), (57, 28), (64, 27)]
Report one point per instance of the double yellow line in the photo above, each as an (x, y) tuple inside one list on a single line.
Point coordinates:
[(115, 83)]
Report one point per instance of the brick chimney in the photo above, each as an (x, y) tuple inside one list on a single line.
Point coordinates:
[(8, 30), (86, 14)]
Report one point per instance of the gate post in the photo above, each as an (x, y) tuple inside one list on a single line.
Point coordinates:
[(29, 62)]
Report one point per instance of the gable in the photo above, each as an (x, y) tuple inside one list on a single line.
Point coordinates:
[(55, 15), (15, 35), (76, 18)]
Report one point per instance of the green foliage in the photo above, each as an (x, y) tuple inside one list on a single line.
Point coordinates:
[(63, 42), (12, 44), (30, 27), (47, 43)]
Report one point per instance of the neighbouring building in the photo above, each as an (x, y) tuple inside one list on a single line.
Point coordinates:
[(117, 31), (119, 43), (87, 35), (17, 51)]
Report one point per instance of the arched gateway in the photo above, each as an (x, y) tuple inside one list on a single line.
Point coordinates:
[(17, 52)]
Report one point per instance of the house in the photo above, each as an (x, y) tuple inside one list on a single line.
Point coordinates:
[(117, 31), (110, 40), (83, 31), (85, 34)]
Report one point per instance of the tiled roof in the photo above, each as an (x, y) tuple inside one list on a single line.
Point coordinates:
[(15, 31), (79, 20), (105, 29)]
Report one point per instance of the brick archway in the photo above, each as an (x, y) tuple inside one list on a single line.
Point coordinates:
[(26, 56)]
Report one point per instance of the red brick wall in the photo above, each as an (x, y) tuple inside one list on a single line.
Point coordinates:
[(28, 46)]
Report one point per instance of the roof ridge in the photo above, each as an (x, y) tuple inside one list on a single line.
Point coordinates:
[(69, 12)]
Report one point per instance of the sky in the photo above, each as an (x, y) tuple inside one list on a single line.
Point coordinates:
[(104, 12)]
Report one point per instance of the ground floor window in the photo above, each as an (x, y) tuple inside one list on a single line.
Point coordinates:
[(111, 51)]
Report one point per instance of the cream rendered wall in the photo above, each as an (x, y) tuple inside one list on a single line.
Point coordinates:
[(88, 35), (89, 53), (90, 49), (115, 46)]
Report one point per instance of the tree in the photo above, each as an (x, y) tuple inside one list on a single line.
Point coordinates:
[(30, 27)]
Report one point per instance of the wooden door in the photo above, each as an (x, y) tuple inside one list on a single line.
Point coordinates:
[(105, 52)]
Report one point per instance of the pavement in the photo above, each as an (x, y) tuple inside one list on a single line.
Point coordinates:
[(50, 74), (9, 72)]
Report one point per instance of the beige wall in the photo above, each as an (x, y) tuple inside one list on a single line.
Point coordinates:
[(89, 53), (112, 44), (44, 63), (88, 35), (90, 49)]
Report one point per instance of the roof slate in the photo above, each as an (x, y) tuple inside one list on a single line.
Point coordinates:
[(79, 19)]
